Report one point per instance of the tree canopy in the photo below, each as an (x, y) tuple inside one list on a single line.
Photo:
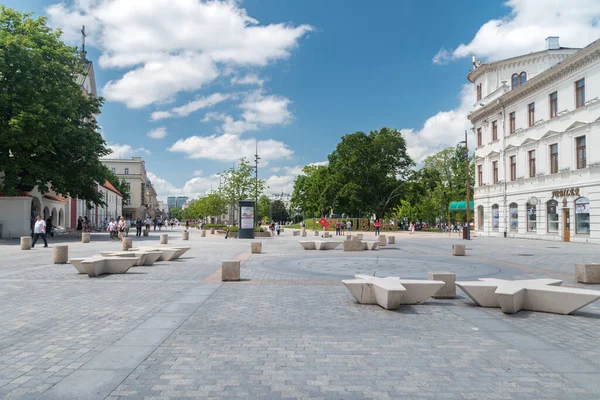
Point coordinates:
[(239, 184), (48, 131), (279, 212), (210, 205)]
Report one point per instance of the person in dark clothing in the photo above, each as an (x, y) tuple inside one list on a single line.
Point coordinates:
[(138, 227), (49, 227)]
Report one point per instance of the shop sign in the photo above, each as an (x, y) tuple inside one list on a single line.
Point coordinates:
[(565, 192)]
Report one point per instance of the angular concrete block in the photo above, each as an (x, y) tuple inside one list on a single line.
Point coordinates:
[(127, 243), (448, 291), (212, 231), (459, 250), (326, 245), (359, 236), (185, 235), (25, 242), (230, 270), (587, 273), (353, 245), (256, 247), (85, 237), (308, 245), (60, 254), (370, 245), (391, 239), (146, 232), (303, 233), (296, 233), (203, 233), (382, 240), (164, 238)]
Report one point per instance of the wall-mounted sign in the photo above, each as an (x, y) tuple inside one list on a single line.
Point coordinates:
[(565, 192)]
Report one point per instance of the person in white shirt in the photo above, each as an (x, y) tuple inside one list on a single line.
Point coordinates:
[(39, 230), (112, 229)]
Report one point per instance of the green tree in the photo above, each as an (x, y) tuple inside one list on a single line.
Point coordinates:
[(313, 191), (48, 131), (279, 212), (239, 184), (368, 171), (213, 205), (263, 207), (176, 212)]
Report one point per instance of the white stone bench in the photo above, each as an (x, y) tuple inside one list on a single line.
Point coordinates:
[(98, 265), (308, 245), (545, 295), (168, 253), (353, 245), (368, 245), (391, 292), (147, 258), (322, 245)]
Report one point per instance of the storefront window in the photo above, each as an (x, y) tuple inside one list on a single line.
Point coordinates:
[(531, 218), (480, 218), (514, 217), (582, 216), (552, 216), (495, 217)]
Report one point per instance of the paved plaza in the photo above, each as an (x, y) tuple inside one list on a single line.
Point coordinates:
[(289, 329)]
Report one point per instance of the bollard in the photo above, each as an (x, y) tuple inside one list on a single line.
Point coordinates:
[(85, 237), (256, 247), (459, 250), (127, 243), (25, 242), (186, 235), (60, 254), (146, 232), (382, 240), (164, 238), (391, 239), (212, 231), (303, 233), (203, 233), (230, 270)]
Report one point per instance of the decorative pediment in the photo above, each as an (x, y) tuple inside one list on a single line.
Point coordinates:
[(510, 147), (549, 134), (528, 141), (576, 124), (492, 153)]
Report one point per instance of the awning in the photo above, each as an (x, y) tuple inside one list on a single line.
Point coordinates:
[(460, 206)]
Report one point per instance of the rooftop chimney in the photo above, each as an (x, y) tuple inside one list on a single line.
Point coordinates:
[(552, 43)]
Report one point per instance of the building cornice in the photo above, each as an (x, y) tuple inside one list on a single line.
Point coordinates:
[(578, 61)]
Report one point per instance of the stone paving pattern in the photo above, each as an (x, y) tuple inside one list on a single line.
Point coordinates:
[(289, 329)]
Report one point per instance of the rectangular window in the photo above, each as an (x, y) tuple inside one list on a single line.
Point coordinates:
[(531, 114), (479, 138), (494, 130), (531, 155), (580, 93), (126, 171), (553, 104), (581, 159), (479, 92), (495, 169), (513, 168), (129, 186), (113, 170), (480, 175), (554, 158), (513, 118)]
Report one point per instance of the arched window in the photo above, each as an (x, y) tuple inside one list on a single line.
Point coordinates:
[(495, 217), (480, 218), (582, 216), (552, 216), (514, 216), (531, 218), (522, 78), (515, 80)]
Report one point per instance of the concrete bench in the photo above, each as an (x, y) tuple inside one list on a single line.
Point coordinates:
[(168, 253), (449, 289), (353, 245), (391, 292), (308, 245), (587, 273), (95, 266), (322, 245), (544, 295), (147, 258), (368, 245)]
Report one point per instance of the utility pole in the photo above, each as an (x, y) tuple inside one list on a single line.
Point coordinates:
[(256, 158)]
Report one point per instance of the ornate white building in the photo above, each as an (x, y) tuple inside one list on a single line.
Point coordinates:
[(537, 134)]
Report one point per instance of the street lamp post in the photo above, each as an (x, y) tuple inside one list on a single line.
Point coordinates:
[(256, 158), (467, 227)]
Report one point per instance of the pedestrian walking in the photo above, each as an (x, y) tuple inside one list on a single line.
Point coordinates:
[(121, 229), (187, 224), (112, 229), (338, 228), (86, 224), (127, 226), (138, 226), (148, 223), (39, 231), (377, 224), (79, 225), (278, 228), (155, 222), (349, 226)]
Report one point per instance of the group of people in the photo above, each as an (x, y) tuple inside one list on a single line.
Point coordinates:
[(342, 226)]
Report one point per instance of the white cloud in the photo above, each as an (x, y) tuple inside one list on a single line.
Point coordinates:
[(120, 151), (192, 188), (259, 111), (170, 46), (198, 172), (524, 29), (157, 133), (229, 147), (284, 183), (192, 106), (249, 79), (444, 129)]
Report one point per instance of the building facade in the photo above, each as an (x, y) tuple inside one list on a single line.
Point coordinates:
[(142, 201), (536, 124)]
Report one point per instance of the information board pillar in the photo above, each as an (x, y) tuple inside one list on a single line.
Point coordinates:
[(246, 219)]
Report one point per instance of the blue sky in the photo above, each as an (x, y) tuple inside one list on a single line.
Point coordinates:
[(296, 75)]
